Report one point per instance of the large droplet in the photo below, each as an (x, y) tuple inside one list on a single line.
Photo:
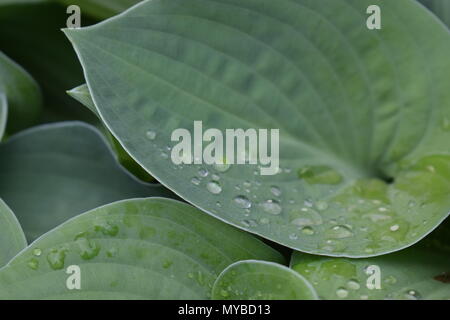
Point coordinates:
[(214, 187), (340, 232), (56, 258), (306, 217), (243, 202), (342, 293), (271, 206), (412, 295)]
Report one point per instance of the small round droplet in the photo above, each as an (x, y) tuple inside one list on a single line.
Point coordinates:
[(342, 293), (394, 227), (242, 202), (195, 181), (37, 252), (275, 191), (214, 187), (412, 295), (307, 230), (150, 134), (308, 203), (321, 205), (340, 232), (293, 236), (203, 172), (271, 206), (353, 284)]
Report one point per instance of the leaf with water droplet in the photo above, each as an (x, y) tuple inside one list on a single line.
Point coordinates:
[(261, 280), (407, 274), (342, 139), (12, 238), (184, 242)]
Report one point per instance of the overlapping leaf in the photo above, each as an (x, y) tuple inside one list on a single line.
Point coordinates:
[(12, 238), (261, 280), (51, 173), (135, 249), (19, 96), (363, 114), (419, 272)]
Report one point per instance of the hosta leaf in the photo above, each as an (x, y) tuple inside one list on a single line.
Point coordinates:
[(363, 114), (30, 33), (144, 248), (82, 94), (101, 8), (261, 280), (19, 94), (440, 7), (419, 272), (12, 239), (53, 172)]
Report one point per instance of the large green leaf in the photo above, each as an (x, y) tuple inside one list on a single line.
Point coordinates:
[(144, 248), (101, 8), (440, 7), (53, 172), (419, 272), (12, 238), (261, 280), (30, 33), (364, 115), (19, 94)]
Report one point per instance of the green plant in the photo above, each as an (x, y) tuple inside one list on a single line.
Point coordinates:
[(364, 178)]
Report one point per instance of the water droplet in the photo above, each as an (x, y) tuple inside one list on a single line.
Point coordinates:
[(215, 177), (247, 184), (224, 293), (111, 252), (390, 280), (150, 134), (195, 181), (243, 202), (88, 249), (218, 204), (293, 236), (394, 227), (308, 231), (107, 229), (56, 258), (271, 206), (308, 202), (342, 293), (275, 191), (37, 252), (203, 172), (264, 221), (33, 264), (412, 295), (306, 217), (340, 232), (353, 284), (167, 264), (321, 205), (214, 187)]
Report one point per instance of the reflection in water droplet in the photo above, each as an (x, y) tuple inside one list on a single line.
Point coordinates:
[(214, 187), (271, 206), (195, 181), (37, 252), (242, 202)]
